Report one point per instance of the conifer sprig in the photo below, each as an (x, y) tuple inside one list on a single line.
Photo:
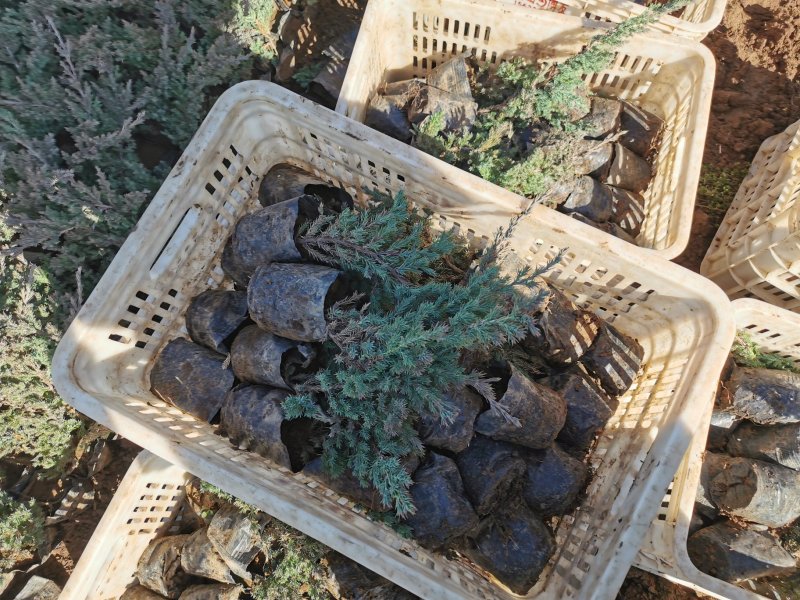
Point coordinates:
[(384, 244), (562, 93), (395, 359)]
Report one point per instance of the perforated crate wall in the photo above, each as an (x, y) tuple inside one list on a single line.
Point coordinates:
[(756, 251), (695, 21), (148, 503)]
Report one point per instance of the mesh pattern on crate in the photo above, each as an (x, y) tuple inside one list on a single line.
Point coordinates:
[(231, 186), (157, 510), (437, 38), (757, 246), (769, 272), (770, 187), (696, 12), (192, 266), (774, 337)]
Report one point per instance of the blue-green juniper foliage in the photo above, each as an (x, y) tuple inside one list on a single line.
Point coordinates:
[(395, 356)]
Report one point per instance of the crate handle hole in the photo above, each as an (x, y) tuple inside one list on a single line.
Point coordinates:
[(177, 241)]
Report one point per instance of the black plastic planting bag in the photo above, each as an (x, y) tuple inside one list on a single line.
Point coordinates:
[(291, 300), (214, 317), (734, 553), (443, 511), (454, 436), (258, 356), (513, 545), (191, 377), (539, 414), (553, 480), (491, 471), (252, 418)]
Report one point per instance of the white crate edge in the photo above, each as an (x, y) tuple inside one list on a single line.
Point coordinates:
[(619, 10), (754, 254), (228, 469), (107, 565), (664, 549)]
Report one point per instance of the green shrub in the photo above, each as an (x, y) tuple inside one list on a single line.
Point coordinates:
[(395, 357), (538, 102), (93, 96), (718, 187), (21, 531), (34, 424), (305, 75), (293, 568), (747, 354)]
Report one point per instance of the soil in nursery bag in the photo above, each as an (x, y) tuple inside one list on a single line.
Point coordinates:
[(215, 316), (514, 545), (778, 444), (159, 567), (215, 591), (735, 554), (610, 145), (443, 511), (533, 414), (764, 396), (191, 377), (481, 463), (749, 490), (491, 471)]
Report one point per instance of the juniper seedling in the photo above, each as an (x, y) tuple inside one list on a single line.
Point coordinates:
[(21, 531), (395, 357), (747, 354), (534, 103)]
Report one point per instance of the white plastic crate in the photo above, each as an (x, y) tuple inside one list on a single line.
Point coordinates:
[(147, 504), (756, 251), (671, 77), (696, 21), (682, 321), (775, 331)]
